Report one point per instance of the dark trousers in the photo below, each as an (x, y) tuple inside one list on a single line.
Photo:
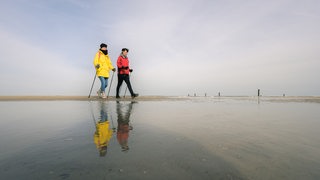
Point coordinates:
[(125, 78)]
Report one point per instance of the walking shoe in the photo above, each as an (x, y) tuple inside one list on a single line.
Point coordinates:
[(99, 93), (103, 95), (118, 97), (135, 95)]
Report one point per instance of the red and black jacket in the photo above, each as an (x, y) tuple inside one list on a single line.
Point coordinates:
[(123, 65)]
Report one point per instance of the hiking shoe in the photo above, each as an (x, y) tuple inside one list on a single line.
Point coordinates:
[(103, 95), (99, 93), (135, 95)]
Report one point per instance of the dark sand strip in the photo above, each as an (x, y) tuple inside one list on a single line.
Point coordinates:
[(303, 99), (85, 98)]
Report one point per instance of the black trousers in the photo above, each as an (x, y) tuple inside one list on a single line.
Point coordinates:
[(125, 78)]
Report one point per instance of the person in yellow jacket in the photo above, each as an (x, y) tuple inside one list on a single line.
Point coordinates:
[(103, 65), (103, 132)]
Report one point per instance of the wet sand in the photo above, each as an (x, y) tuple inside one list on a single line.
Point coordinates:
[(161, 138), (85, 98), (314, 99)]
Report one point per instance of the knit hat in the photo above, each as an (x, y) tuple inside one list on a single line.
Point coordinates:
[(125, 49), (103, 45)]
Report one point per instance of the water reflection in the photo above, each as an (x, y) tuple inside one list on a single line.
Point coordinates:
[(123, 113), (103, 132), (233, 139), (105, 128)]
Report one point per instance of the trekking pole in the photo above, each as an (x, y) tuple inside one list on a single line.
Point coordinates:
[(113, 128), (94, 79), (110, 84), (129, 113), (92, 114), (125, 92)]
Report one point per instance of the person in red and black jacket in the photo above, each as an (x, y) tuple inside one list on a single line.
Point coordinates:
[(123, 72)]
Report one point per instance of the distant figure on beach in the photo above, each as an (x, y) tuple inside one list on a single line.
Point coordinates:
[(103, 132), (124, 126), (123, 72), (103, 65)]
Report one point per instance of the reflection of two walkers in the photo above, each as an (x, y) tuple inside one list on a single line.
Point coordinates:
[(104, 133)]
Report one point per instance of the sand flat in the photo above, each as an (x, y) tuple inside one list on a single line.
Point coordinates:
[(307, 99), (85, 98), (172, 137)]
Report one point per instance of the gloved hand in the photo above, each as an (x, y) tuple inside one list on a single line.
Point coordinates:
[(130, 70), (98, 66), (114, 69)]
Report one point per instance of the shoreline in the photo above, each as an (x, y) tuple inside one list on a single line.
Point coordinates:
[(314, 99), (85, 98)]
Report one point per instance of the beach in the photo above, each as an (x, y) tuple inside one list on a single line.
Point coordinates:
[(159, 138), (315, 99), (85, 98)]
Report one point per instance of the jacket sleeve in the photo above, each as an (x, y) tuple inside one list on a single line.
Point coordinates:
[(110, 64), (96, 59), (119, 62)]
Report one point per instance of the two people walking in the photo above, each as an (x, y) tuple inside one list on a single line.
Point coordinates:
[(103, 65)]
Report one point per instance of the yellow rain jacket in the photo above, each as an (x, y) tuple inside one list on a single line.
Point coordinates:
[(102, 135), (104, 62)]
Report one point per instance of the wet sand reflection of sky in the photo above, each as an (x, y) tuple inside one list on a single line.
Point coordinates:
[(223, 139)]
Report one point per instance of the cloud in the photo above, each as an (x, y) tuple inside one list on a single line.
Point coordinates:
[(211, 46), (176, 47), (30, 70)]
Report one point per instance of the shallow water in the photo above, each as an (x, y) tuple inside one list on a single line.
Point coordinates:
[(200, 138)]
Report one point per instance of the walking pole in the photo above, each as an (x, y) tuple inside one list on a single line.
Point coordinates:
[(110, 85), (113, 128), (125, 91), (93, 118), (94, 79)]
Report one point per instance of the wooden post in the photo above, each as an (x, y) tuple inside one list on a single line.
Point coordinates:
[(258, 92)]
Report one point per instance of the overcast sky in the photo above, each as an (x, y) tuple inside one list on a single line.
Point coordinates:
[(177, 47)]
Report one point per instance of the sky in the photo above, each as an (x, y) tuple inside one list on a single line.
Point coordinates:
[(176, 47)]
